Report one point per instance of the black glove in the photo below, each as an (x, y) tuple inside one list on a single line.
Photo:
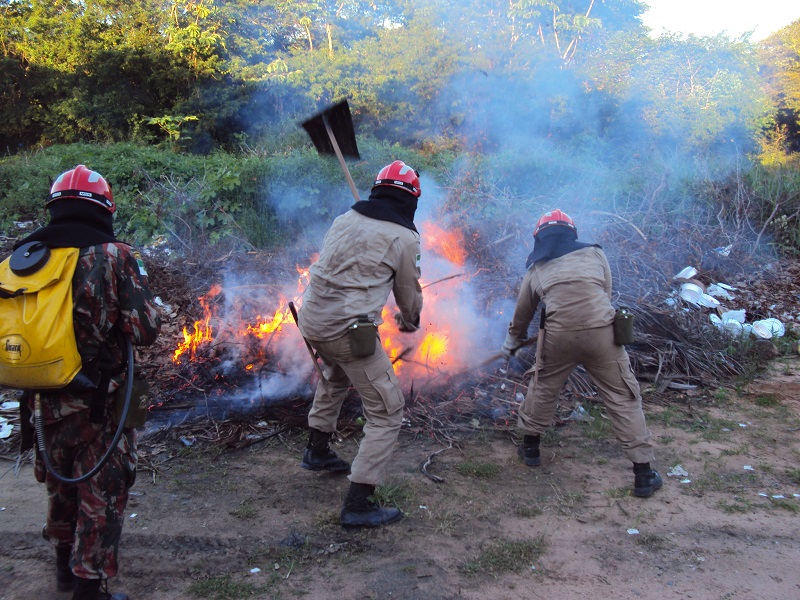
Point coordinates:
[(404, 325)]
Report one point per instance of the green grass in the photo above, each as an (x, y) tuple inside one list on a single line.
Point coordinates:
[(652, 541), (767, 400), (737, 451), (599, 428), (721, 396), (506, 556), (447, 521), (721, 481), (246, 510), (480, 470), (793, 475), (738, 506), (394, 494), (618, 492), (785, 504), (527, 512)]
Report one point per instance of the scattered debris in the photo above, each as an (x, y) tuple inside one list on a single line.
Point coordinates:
[(677, 471)]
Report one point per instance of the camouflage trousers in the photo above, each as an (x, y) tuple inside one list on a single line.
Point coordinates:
[(381, 399), (87, 516)]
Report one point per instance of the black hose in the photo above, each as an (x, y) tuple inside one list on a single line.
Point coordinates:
[(37, 417)]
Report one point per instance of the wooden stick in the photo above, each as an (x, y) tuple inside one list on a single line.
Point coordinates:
[(311, 352), (341, 158), (442, 279), (424, 466)]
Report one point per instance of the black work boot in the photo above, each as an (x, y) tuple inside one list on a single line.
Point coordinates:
[(529, 451), (358, 511), (318, 455), (90, 589), (65, 579), (646, 480)]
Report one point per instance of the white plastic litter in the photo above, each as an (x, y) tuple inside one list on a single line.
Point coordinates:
[(718, 292), (708, 301), (733, 315), (633, 531), (733, 327), (691, 292), (580, 414), (677, 471), (686, 273), (768, 328)]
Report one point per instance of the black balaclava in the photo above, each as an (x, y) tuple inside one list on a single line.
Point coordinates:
[(388, 203), (74, 223), (554, 241)]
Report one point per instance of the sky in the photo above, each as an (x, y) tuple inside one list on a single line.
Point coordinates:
[(710, 17)]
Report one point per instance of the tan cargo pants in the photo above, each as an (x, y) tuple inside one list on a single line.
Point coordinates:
[(381, 398), (610, 368)]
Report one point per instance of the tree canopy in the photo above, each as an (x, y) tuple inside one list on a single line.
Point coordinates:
[(202, 74)]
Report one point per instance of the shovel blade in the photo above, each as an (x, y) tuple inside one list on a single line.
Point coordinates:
[(341, 124)]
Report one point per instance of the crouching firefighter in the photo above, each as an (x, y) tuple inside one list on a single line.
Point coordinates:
[(572, 280), (369, 251), (86, 450)]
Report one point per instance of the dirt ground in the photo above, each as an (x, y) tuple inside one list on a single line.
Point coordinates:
[(208, 521)]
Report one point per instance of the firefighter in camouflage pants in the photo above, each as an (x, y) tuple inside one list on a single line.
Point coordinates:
[(111, 301)]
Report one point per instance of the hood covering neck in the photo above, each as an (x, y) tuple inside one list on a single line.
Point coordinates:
[(553, 242), (387, 203), (74, 224)]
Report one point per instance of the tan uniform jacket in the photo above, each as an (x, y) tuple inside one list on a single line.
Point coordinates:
[(362, 260), (576, 289)]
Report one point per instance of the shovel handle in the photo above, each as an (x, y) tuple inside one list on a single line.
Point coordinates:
[(340, 156), (310, 348)]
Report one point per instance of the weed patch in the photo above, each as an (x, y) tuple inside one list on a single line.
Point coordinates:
[(505, 556), (481, 470), (246, 510)]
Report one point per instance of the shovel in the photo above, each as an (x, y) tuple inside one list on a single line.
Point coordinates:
[(332, 133)]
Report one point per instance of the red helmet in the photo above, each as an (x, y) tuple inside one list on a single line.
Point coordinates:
[(554, 217), (83, 184), (399, 174)]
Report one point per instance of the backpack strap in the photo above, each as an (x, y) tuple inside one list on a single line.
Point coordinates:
[(8, 295)]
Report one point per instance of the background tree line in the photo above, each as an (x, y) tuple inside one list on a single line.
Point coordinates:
[(209, 73)]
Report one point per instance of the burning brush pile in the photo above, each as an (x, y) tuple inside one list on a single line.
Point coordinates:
[(243, 354)]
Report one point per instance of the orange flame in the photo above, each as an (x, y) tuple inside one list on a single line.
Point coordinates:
[(269, 325), (447, 244), (203, 331), (423, 354)]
